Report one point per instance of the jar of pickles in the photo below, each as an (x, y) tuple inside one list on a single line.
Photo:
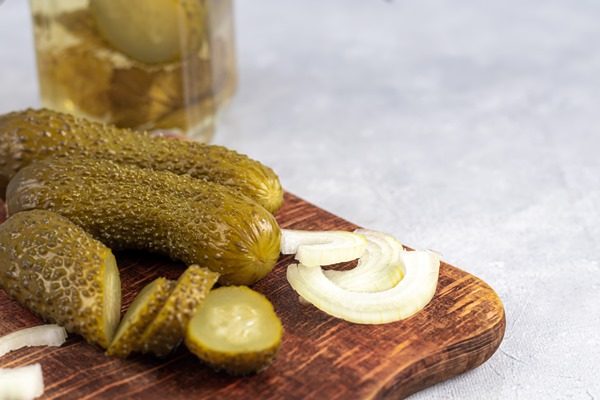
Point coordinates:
[(160, 65)]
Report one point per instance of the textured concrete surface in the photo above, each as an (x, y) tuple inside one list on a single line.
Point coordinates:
[(466, 127)]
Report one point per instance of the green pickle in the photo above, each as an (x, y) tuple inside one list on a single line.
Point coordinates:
[(144, 307), (59, 272), (235, 330), (151, 32), (33, 135), (126, 207), (167, 328)]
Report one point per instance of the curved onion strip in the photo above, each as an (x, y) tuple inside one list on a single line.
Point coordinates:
[(316, 248), (379, 268), (403, 300), (43, 335), (23, 383)]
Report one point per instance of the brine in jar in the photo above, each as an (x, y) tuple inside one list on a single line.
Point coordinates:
[(161, 65)]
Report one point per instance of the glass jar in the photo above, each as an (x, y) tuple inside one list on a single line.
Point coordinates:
[(160, 65)]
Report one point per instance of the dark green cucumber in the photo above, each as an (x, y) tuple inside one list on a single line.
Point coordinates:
[(32, 135), (192, 220), (59, 272)]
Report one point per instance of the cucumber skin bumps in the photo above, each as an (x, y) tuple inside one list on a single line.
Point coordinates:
[(127, 207), (59, 272), (32, 135)]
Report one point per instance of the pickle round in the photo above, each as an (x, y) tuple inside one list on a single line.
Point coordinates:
[(235, 330), (126, 207), (59, 272), (34, 135)]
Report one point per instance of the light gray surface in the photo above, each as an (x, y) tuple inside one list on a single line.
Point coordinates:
[(466, 127)]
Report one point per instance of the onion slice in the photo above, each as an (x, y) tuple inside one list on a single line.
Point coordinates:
[(379, 268), (316, 248), (409, 296), (43, 335), (23, 383)]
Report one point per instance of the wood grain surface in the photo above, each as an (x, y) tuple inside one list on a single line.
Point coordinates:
[(321, 357)]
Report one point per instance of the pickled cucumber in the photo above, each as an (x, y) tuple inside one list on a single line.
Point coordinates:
[(32, 135), (168, 327), (190, 220), (140, 313), (151, 32), (59, 272), (235, 330)]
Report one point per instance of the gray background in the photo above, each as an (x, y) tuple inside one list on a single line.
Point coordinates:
[(467, 127)]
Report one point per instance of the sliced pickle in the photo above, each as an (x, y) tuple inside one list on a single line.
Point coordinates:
[(143, 309), (168, 327), (59, 272), (235, 330)]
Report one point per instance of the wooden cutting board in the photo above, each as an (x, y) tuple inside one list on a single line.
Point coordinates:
[(321, 357)]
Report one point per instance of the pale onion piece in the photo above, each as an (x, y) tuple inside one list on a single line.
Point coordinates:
[(42, 335), (379, 268), (23, 383), (409, 296), (316, 248)]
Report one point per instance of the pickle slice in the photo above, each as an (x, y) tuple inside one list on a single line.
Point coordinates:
[(167, 329), (140, 313), (235, 330)]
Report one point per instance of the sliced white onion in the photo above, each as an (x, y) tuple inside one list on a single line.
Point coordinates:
[(43, 335), (23, 383), (409, 296), (316, 248), (379, 268)]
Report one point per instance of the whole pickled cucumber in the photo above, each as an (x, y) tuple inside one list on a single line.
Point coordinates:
[(31, 135), (59, 272), (195, 221), (125, 26)]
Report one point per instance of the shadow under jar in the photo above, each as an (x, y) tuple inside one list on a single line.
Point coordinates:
[(161, 65)]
